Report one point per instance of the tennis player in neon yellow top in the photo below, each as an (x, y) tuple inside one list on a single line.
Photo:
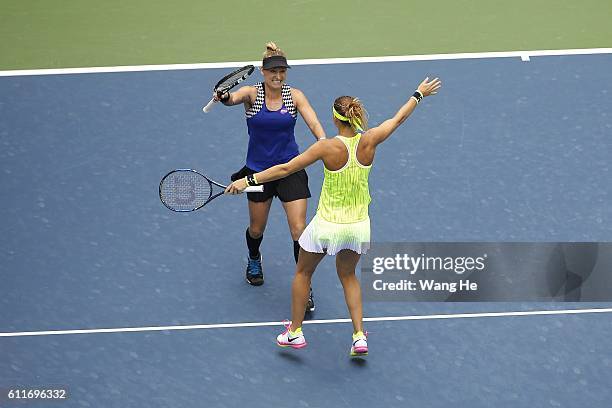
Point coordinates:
[(341, 226)]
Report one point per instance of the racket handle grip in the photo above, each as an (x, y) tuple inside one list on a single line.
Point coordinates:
[(208, 106), (254, 189)]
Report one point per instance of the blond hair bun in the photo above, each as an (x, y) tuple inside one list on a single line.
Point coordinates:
[(272, 50)]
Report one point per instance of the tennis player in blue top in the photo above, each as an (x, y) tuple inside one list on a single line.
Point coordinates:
[(271, 109)]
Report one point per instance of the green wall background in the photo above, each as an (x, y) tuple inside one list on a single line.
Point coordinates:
[(79, 33)]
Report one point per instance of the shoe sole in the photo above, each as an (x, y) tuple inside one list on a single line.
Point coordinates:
[(295, 346), (359, 351), (255, 283)]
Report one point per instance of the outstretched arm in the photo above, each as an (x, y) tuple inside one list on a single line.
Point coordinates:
[(380, 133), (311, 155)]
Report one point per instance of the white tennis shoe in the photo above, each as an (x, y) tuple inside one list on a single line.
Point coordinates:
[(294, 339)]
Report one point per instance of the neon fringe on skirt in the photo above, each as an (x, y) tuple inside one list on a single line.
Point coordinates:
[(322, 236)]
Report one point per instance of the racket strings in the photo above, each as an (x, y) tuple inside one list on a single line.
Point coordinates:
[(185, 191), (234, 78)]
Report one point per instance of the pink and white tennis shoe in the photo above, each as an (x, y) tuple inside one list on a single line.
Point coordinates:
[(294, 339)]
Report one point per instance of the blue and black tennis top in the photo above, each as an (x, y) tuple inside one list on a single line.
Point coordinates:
[(271, 133)]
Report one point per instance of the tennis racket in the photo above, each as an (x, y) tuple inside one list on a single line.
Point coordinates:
[(228, 82), (185, 190)]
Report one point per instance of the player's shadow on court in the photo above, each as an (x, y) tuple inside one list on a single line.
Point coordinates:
[(359, 362), (569, 266), (290, 356)]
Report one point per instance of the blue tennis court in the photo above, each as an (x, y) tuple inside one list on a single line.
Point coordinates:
[(508, 151)]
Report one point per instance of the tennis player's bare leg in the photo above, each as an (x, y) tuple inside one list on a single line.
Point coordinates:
[(296, 217), (307, 263), (258, 217), (346, 262)]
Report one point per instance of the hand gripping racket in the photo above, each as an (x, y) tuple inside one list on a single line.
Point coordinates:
[(228, 82), (185, 190)]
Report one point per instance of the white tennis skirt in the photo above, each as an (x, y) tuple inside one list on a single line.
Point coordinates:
[(322, 236)]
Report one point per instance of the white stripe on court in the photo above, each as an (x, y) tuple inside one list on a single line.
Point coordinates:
[(328, 321), (523, 55)]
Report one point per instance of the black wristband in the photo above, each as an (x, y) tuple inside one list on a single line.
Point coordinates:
[(418, 96), (250, 180), (224, 97)]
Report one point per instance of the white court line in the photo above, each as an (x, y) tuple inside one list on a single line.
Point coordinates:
[(524, 55), (328, 321)]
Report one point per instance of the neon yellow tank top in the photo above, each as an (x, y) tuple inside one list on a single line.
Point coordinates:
[(345, 194)]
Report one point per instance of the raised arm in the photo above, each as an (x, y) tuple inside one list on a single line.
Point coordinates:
[(242, 95), (309, 115), (380, 133), (311, 155)]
